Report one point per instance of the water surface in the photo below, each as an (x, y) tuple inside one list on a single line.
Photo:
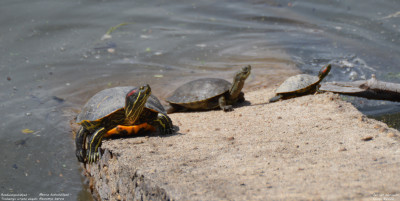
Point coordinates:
[(54, 57)]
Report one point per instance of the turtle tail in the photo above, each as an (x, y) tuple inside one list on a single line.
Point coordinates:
[(275, 98)]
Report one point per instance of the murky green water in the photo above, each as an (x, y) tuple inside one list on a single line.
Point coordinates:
[(53, 57)]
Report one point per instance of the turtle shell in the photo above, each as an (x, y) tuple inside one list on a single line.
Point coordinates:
[(112, 100), (298, 84), (199, 90)]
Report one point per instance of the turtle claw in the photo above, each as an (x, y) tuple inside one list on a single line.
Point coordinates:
[(93, 157), (228, 108), (168, 131)]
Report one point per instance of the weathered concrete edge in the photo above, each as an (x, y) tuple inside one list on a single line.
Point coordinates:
[(108, 182)]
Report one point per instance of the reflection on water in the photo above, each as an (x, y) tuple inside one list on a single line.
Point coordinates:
[(54, 57)]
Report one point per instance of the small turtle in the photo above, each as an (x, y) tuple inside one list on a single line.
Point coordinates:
[(119, 110), (209, 93), (300, 85)]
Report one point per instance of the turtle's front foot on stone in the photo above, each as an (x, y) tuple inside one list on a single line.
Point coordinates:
[(164, 124), (169, 130), (94, 145), (224, 105), (227, 108), (92, 157)]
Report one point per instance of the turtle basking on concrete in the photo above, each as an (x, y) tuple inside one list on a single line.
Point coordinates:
[(300, 85), (209, 93), (119, 110)]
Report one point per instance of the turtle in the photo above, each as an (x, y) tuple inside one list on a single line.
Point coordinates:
[(300, 85), (209, 93), (121, 111)]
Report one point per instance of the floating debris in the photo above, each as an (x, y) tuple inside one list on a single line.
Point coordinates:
[(107, 46), (27, 131), (112, 29), (110, 50), (105, 37), (145, 36), (158, 53), (397, 14), (21, 142), (58, 99)]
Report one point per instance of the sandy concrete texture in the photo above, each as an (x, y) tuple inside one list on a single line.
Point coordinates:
[(315, 147)]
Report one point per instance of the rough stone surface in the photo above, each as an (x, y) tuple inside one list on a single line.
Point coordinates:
[(308, 148)]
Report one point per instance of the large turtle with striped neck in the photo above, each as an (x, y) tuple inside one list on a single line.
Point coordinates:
[(118, 111), (300, 85), (209, 93)]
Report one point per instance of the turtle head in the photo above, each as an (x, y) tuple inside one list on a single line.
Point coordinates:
[(135, 101), (242, 74), (238, 82), (324, 71)]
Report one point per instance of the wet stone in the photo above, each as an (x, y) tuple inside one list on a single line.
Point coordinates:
[(58, 99)]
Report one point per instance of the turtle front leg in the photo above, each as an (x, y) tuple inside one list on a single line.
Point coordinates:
[(164, 124), (241, 98), (224, 105), (129, 130), (317, 91), (94, 144), (80, 141), (170, 109)]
